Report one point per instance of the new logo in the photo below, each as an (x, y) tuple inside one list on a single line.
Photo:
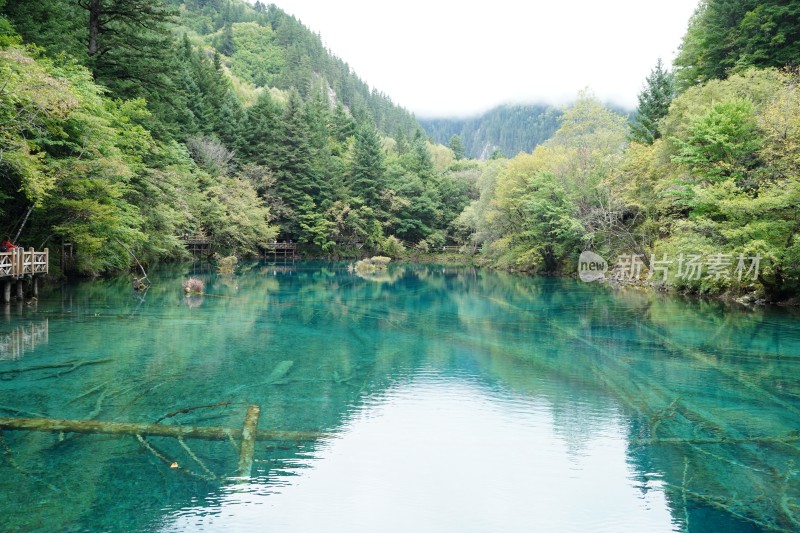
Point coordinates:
[(591, 267)]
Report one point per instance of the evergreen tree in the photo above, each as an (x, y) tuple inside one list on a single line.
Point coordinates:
[(292, 162), (653, 105), (457, 147), (129, 40), (402, 142), (318, 119), (211, 93), (770, 35), (728, 36), (260, 138), (55, 25), (421, 163), (230, 120), (343, 125), (226, 45), (367, 167)]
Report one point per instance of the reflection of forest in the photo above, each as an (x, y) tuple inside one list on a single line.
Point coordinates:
[(694, 380), (711, 393)]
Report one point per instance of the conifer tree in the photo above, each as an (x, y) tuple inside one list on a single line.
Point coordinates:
[(729, 36), (343, 125), (230, 120), (292, 162), (367, 168), (457, 147), (226, 44), (129, 46), (654, 101), (260, 137), (421, 162)]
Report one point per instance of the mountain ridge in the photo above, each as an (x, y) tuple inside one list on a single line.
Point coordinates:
[(511, 128)]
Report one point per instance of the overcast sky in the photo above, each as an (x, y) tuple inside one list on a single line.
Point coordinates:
[(448, 58)]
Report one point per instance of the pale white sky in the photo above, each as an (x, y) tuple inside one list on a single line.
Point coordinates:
[(445, 58)]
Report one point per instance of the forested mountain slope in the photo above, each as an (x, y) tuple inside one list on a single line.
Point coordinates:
[(125, 124), (508, 128), (129, 123)]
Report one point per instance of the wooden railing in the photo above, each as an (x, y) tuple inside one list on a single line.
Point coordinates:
[(197, 239), (281, 246), (198, 245), (284, 250), (20, 262)]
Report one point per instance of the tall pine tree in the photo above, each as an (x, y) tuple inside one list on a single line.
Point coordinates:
[(292, 163), (367, 168), (457, 147), (421, 162), (654, 101), (129, 44), (259, 139)]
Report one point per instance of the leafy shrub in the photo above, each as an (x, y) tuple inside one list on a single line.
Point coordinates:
[(392, 247)]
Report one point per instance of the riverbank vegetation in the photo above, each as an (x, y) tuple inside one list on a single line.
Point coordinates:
[(239, 125), (133, 124), (706, 174)]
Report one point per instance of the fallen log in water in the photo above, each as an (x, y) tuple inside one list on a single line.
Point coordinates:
[(248, 441), (53, 425), (788, 439), (69, 365)]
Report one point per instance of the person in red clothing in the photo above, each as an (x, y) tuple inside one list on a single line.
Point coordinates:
[(7, 245)]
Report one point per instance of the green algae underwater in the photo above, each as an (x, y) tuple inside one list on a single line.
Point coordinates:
[(424, 398)]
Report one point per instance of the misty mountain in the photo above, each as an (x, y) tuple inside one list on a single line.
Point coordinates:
[(511, 128)]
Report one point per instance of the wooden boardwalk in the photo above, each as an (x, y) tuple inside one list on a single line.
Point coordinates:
[(18, 264), (198, 245), (281, 250)]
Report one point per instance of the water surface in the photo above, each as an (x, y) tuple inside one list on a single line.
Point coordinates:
[(444, 400)]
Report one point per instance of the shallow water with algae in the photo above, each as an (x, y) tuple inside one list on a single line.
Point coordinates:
[(429, 399)]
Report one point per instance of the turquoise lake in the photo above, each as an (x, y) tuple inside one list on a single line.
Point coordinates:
[(434, 399)]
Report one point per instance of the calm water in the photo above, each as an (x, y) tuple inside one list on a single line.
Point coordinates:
[(445, 400)]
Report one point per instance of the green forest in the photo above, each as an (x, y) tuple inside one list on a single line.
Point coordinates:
[(504, 130), (126, 124)]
